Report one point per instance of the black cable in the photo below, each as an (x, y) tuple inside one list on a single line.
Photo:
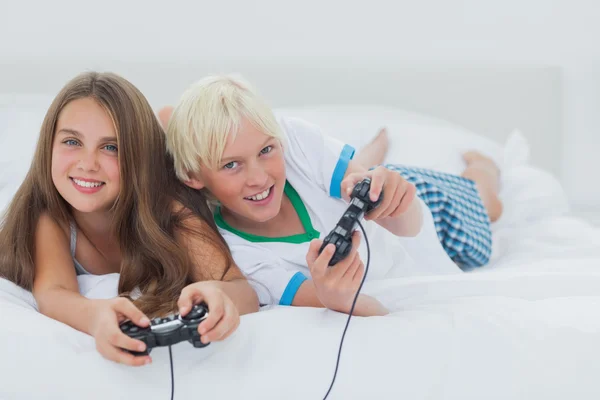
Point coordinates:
[(172, 376), (337, 364)]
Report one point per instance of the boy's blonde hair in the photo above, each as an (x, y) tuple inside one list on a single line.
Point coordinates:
[(207, 113)]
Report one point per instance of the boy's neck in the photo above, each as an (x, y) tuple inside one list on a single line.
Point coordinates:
[(285, 223)]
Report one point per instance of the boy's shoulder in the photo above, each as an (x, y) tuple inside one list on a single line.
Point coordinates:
[(295, 126)]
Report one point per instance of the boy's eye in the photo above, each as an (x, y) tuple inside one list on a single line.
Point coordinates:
[(230, 165), (266, 150), (111, 147)]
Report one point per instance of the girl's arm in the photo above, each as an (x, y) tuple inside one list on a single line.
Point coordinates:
[(55, 285), (56, 292), (209, 261), (227, 296)]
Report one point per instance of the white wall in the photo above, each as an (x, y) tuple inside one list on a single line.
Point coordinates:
[(564, 33)]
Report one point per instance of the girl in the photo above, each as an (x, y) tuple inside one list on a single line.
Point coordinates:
[(102, 197), (279, 184)]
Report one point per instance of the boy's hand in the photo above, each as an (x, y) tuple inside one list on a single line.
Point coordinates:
[(223, 316), (398, 196), (336, 286)]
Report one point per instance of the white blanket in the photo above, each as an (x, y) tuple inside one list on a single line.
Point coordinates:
[(496, 335)]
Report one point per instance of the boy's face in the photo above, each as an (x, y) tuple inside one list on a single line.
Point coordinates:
[(249, 180)]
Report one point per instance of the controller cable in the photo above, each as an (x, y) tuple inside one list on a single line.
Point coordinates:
[(172, 376), (337, 364)]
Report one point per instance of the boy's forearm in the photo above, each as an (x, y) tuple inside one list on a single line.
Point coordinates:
[(366, 306), (242, 294), (406, 224)]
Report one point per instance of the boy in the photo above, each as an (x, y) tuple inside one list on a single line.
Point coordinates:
[(281, 186)]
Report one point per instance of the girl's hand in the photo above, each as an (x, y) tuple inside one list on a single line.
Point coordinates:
[(223, 316), (110, 341), (398, 196)]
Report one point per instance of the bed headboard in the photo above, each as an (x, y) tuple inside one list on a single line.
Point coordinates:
[(489, 99)]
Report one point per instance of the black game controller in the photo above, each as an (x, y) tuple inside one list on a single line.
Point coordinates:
[(169, 330), (341, 235)]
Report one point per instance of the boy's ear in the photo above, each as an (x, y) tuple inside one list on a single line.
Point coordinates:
[(195, 182)]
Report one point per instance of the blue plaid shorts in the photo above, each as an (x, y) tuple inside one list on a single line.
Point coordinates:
[(461, 220)]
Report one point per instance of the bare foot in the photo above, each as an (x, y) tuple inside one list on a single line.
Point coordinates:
[(374, 152), (486, 175), (164, 114), (474, 157)]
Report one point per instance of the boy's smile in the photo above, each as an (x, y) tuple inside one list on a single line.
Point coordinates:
[(263, 197)]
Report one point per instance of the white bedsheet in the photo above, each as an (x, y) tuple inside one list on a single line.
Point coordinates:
[(527, 327)]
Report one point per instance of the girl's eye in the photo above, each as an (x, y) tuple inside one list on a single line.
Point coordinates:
[(111, 147), (71, 142), (230, 165), (266, 150)]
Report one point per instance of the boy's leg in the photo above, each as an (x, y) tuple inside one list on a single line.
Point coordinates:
[(164, 114), (459, 214), (486, 175), (374, 152)]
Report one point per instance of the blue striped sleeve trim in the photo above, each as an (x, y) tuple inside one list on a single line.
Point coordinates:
[(290, 290), (335, 188)]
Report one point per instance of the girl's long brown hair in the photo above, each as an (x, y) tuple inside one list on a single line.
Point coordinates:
[(144, 220)]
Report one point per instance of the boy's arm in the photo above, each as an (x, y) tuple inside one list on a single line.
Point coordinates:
[(366, 306), (399, 213), (335, 287)]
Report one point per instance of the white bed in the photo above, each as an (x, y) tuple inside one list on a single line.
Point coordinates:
[(524, 327)]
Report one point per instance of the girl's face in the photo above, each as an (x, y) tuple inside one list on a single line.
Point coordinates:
[(85, 167), (250, 179)]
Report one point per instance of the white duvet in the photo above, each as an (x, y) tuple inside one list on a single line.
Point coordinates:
[(525, 327)]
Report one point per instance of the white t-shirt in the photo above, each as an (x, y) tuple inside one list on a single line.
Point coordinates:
[(315, 166)]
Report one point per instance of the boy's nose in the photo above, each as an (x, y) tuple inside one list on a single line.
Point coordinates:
[(257, 176)]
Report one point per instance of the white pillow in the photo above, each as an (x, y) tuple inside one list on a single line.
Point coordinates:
[(528, 193), (415, 139), (21, 117)]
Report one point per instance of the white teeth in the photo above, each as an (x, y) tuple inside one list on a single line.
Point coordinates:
[(260, 196), (87, 184)]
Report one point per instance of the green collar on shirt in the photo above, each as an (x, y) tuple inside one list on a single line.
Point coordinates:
[(310, 232)]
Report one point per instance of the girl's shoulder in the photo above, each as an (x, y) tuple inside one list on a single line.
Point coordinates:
[(48, 225)]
